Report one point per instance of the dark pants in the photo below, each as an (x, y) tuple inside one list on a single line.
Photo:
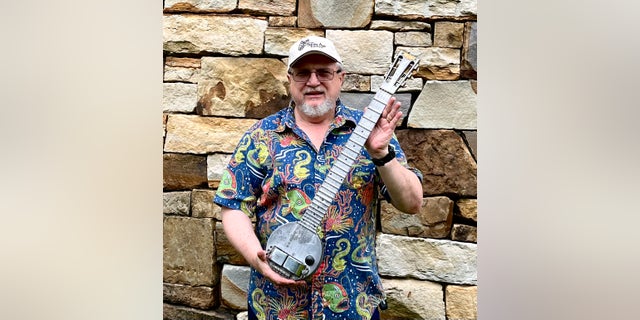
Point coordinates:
[(252, 316)]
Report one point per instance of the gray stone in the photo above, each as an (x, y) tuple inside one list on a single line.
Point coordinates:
[(216, 164), (234, 285), (427, 259), (469, 65), (445, 105), (472, 140), (176, 203), (413, 39)]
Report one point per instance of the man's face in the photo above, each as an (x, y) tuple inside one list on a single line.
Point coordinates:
[(317, 94)]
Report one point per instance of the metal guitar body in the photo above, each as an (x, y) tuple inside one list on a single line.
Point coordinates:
[(294, 251)]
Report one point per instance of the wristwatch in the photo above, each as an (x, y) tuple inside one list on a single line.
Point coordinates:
[(382, 161)]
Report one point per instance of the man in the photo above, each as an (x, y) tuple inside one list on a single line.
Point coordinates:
[(274, 173)]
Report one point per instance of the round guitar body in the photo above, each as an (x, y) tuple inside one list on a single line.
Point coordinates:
[(294, 251)]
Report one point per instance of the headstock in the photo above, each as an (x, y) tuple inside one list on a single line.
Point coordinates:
[(401, 69)]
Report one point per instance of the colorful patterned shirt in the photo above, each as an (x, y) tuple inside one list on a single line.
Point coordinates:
[(273, 175)]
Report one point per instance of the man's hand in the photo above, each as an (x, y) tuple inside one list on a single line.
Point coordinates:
[(378, 141), (261, 264)]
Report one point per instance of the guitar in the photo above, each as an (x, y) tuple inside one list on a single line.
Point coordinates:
[(294, 249)]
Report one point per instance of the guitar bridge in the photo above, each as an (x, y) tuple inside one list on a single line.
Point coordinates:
[(286, 265)]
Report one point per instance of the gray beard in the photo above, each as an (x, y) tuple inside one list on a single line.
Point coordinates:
[(320, 110)]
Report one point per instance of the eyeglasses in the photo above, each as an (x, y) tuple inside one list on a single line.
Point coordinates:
[(321, 74)]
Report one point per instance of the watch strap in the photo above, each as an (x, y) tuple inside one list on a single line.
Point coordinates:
[(382, 161)]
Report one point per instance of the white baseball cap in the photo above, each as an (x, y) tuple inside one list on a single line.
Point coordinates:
[(310, 45)]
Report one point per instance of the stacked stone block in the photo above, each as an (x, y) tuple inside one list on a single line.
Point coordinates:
[(225, 68)]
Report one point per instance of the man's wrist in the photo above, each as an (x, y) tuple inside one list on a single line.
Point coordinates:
[(384, 160)]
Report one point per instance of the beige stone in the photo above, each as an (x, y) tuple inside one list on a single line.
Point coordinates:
[(356, 82), (445, 105), (411, 85), (427, 259), (186, 313), (448, 34), (342, 14), (436, 63), (468, 208), (277, 21), (268, 7), (202, 205), (356, 52), (413, 299), (202, 135), (225, 252), (278, 41), (400, 25), (461, 302), (444, 160), (242, 87), (433, 221), (213, 34), (413, 39), (197, 297), (199, 5), (182, 69), (188, 251), (427, 8)]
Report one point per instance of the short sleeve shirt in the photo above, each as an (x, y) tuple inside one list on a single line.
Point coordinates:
[(273, 175)]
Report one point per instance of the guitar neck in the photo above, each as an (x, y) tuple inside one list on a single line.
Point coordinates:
[(338, 172)]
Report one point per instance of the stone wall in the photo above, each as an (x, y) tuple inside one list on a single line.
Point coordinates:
[(224, 68)]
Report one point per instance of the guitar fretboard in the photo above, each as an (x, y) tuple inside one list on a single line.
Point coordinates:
[(338, 172)]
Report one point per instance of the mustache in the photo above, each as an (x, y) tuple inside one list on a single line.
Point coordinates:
[(313, 90)]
